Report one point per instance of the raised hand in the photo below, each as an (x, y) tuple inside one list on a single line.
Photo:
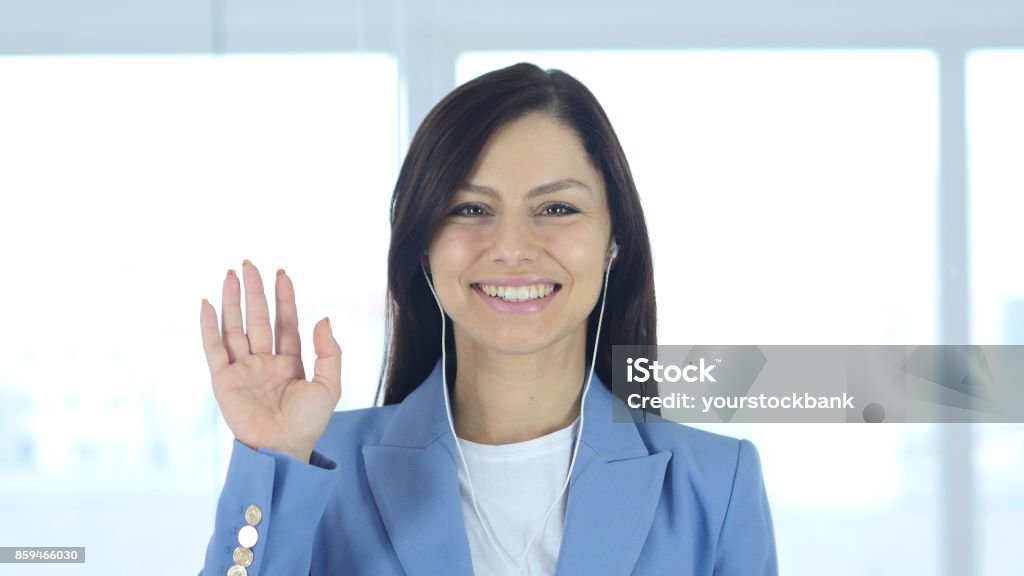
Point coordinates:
[(265, 397)]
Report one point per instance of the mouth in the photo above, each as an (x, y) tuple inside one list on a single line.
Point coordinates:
[(516, 294)]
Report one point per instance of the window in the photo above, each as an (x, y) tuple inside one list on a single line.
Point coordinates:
[(131, 184)]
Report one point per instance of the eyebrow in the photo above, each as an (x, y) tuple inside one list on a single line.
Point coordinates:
[(548, 188)]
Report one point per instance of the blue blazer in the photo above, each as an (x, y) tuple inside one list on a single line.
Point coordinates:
[(381, 497)]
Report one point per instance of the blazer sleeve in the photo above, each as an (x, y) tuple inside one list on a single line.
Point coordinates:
[(292, 497), (746, 544)]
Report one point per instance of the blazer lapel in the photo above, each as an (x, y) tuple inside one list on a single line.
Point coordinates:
[(414, 481), (613, 493)]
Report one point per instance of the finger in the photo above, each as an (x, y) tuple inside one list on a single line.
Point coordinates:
[(216, 355), (327, 367), (257, 317), (235, 341), (286, 325)]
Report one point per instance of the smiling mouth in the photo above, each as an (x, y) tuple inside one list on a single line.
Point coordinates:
[(516, 294)]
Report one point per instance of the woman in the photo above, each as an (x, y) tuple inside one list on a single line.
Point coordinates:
[(519, 255)]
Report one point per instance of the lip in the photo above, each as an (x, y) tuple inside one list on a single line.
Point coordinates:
[(524, 281), (528, 307)]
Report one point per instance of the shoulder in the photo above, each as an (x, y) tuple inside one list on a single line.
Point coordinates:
[(714, 489), (717, 479), (714, 465), (693, 445)]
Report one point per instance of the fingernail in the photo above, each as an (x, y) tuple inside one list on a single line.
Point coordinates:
[(205, 302), (328, 323), (231, 272), (280, 271), (249, 262)]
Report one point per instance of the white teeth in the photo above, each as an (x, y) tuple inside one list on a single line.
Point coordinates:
[(517, 293)]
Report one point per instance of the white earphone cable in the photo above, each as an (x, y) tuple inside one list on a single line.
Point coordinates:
[(579, 433), (522, 564), (451, 424)]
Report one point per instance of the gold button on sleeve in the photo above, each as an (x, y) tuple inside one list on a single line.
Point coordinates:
[(237, 570), (247, 537), (253, 515), (242, 556)]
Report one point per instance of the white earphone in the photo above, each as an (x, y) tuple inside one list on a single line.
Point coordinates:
[(613, 252)]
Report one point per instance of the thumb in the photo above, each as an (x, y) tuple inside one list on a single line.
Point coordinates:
[(327, 367)]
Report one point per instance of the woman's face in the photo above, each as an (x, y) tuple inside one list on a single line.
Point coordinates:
[(519, 261)]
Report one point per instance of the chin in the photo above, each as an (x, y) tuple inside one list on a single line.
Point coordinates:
[(520, 342)]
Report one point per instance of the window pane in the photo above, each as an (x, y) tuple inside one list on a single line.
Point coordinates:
[(995, 117), (790, 197), (131, 184), (995, 90)]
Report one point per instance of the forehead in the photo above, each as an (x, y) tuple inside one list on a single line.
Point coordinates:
[(533, 150)]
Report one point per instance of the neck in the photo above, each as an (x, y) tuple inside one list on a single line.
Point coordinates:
[(505, 398)]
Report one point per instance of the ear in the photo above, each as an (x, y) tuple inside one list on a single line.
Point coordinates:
[(612, 254), (425, 262)]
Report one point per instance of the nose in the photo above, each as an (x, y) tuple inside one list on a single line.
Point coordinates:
[(514, 241)]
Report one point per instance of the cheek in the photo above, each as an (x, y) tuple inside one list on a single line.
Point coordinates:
[(453, 252), (584, 264), (580, 253)]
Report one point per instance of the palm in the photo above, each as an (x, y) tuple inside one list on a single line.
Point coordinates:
[(264, 397)]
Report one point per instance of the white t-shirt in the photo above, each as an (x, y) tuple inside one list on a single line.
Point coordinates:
[(515, 485)]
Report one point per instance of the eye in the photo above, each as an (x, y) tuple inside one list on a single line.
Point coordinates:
[(468, 209), (558, 209)]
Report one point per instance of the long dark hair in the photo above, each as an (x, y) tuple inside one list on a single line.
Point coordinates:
[(440, 158)]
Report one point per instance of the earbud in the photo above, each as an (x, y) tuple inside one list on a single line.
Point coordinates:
[(613, 250)]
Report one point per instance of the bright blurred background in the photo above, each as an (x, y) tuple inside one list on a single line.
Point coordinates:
[(812, 171)]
